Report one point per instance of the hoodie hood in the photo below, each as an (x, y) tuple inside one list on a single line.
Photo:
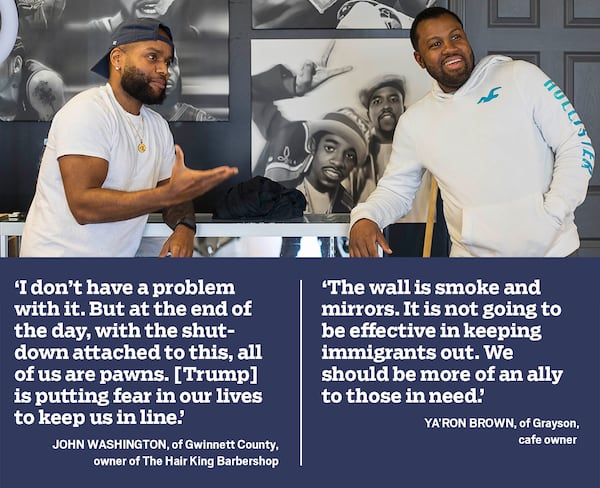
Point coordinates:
[(478, 74)]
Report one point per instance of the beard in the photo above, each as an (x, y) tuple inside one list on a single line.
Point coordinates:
[(137, 84), (386, 125), (453, 80)]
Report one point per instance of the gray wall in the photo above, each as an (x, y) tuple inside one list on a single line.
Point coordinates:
[(563, 38)]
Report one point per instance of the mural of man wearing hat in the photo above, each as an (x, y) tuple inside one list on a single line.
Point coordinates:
[(383, 99), (337, 146), (314, 156), (317, 156), (322, 151), (111, 160)]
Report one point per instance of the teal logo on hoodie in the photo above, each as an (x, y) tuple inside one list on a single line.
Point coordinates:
[(490, 96), (587, 161)]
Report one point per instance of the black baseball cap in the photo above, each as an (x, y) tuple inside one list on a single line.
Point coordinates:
[(137, 30)]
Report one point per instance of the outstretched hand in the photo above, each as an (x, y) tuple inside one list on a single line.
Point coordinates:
[(186, 184), (313, 74)]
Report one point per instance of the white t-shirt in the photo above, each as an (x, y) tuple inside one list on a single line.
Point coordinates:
[(94, 124)]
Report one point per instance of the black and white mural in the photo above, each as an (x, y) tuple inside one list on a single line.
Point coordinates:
[(59, 40), (336, 14)]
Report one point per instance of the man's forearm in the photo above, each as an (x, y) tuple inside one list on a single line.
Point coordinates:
[(105, 205), (174, 214)]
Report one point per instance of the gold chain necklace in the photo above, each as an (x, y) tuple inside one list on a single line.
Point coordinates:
[(123, 114), (141, 146)]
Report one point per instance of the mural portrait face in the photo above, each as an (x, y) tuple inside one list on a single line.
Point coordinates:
[(334, 159), (385, 107), (146, 8)]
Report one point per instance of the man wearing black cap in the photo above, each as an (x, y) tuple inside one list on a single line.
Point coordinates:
[(110, 160)]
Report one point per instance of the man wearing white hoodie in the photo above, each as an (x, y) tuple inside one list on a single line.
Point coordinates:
[(511, 156)]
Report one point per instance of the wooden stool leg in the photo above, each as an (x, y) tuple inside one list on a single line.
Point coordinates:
[(430, 219)]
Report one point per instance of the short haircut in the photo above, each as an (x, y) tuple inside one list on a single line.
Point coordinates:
[(429, 13)]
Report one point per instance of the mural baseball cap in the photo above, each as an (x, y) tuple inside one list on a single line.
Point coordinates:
[(394, 81), (347, 123), (134, 31)]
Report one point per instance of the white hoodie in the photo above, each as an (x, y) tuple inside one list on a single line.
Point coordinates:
[(511, 157)]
